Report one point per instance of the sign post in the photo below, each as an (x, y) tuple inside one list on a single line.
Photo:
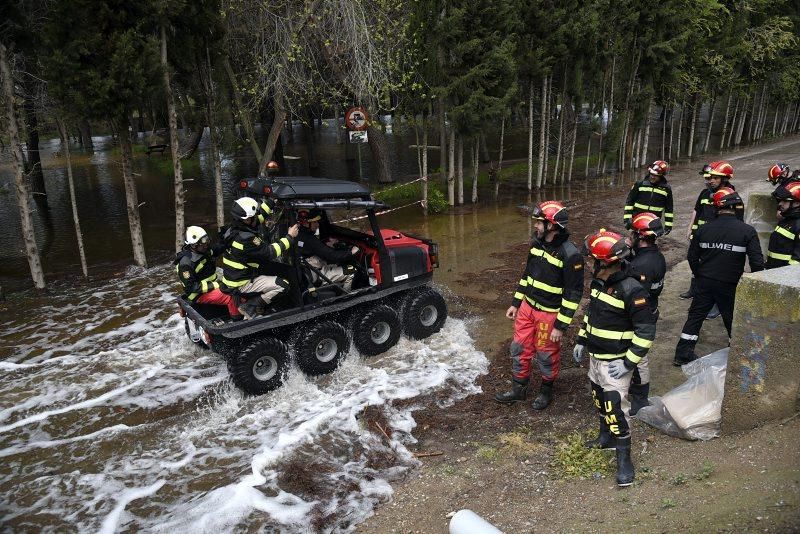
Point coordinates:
[(356, 120)]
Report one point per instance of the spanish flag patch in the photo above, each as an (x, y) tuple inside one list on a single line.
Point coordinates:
[(640, 302)]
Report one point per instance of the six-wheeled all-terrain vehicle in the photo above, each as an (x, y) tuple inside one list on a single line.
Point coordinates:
[(316, 322)]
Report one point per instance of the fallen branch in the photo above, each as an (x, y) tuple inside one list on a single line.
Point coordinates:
[(427, 454), (789, 418)]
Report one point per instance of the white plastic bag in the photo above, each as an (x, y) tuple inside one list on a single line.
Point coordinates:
[(692, 410)]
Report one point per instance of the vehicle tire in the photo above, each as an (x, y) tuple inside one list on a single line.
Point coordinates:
[(320, 348), (199, 341), (377, 330), (259, 367), (424, 314)]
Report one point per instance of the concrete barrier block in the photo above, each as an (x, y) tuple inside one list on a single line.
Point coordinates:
[(763, 378), (761, 212)]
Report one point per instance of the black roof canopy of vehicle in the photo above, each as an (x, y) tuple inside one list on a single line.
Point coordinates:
[(313, 188)]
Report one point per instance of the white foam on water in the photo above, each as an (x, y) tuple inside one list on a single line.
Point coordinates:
[(128, 425)]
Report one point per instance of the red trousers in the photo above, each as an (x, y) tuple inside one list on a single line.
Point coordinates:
[(215, 296), (532, 329)]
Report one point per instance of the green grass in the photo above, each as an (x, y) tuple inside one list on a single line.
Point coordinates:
[(163, 164), (574, 460), (399, 196)]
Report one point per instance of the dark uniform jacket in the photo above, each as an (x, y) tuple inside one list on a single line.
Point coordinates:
[(718, 249), (656, 199), (245, 253), (553, 279), (310, 245), (784, 244), (619, 322), (649, 267), (705, 211), (197, 272)]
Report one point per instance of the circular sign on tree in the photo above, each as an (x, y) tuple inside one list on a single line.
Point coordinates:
[(356, 119)]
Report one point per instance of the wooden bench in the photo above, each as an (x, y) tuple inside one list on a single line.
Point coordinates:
[(155, 148)]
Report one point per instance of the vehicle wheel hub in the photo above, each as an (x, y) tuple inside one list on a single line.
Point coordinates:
[(428, 315), (265, 368), (326, 350), (380, 332)]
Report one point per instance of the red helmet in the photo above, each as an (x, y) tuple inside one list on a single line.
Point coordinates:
[(659, 167), (718, 168), (777, 172), (726, 197), (647, 223), (607, 247), (551, 210), (790, 191)]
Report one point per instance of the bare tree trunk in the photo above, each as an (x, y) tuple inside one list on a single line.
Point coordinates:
[(451, 169), (476, 151), (796, 119), (710, 124), (131, 197), (23, 194), (86, 135), (275, 133), (786, 117), (192, 143), (244, 117), (775, 119), (610, 106), (425, 159), (62, 131), (540, 166), (671, 130), (560, 130), (646, 134), (442, 140), (547, 119), (733, 123), (213, 136), (663, 132), (460, 168), (572, 145), (485, 157), (680, 127), (695, 105), (725, 120), (34, 170), (742, 120), (602, 117), (177, 169), (308, 140), (588, 152), (753, 117), (500, 156)]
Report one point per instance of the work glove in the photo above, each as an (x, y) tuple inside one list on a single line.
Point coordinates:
[(577, 353), (617, 369)]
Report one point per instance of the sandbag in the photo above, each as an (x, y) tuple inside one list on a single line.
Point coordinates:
[(692, 410)]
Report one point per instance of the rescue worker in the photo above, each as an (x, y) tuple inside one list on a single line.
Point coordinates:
[(781, 174), (784, 242), (716, 256), (335, 264), (246, 253), (716, 174), (273, 168), (652, 194), (618, 331), (196, 268), (546, 299), (649, 266)]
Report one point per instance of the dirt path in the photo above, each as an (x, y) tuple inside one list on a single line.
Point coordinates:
[(501, 461)]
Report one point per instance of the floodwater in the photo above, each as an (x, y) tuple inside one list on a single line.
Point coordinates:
[(111, 419)]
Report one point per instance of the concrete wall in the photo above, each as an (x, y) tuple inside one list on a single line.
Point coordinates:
[(761, 212), (763, 378)]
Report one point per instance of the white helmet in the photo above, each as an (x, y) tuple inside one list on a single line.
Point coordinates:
[(244, 208), (195, 234)]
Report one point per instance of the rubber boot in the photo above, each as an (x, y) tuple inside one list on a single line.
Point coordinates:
[(252, 308), (605, 440), (545, 396), (625, 473), (678, 361), (519, 391), (638, 394)]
